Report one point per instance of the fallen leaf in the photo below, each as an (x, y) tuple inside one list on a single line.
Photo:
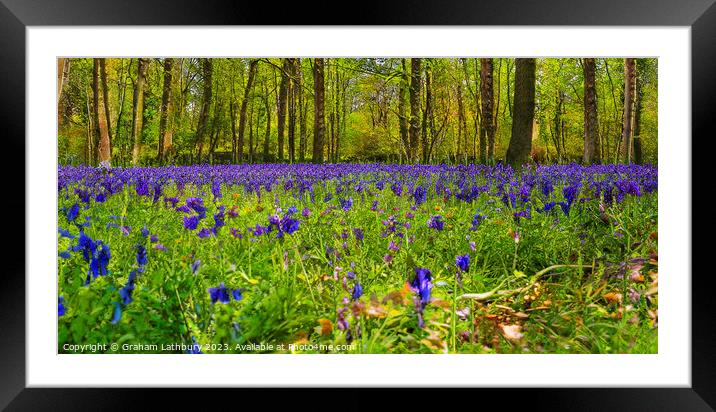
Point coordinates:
[(326, 327), (512, 333), (613, 297)]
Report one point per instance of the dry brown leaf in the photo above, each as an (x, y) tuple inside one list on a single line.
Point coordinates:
[(326, 327), (512, 333), (613, 297)]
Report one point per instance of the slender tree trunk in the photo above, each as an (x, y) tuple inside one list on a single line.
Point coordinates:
[(92, 132), (244, 103), (105, 102), (403, 121), (207, 67), (591, 125), (461, 123), (292, 91), (100, 116), (428, 113), (166, 108), (61, 67), (487, 131), (138, 110), (414, 130), (265, 156), (301, 113), (251, 132), (629, 77), (638, 154), (319, 127), (523, 120), (281, 110)]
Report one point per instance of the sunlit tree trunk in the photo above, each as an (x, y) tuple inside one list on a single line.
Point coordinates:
[(265, 156), (100, 113), (523, 109), (428, 114), (301, 113), (281, 109), (164, 129), (629, 77), (207, 68), (638, 152), (138, 109), (244, 104), (319, 127), (591, 125), (487, 131), (292, 91), (414, 131), (402, 109)]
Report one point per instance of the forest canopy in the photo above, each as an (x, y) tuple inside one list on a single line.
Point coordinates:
[(162, 111)]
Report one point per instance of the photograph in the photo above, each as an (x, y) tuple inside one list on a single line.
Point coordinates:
[(357, 205)]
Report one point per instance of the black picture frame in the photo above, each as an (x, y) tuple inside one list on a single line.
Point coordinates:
[(16, 15)]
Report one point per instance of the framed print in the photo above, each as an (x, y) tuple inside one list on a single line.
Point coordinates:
[(328, 206)]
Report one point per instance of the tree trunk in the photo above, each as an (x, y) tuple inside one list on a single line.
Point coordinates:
[(242, 113), (292, 111), (138, 109), (428, 113), (100, 115), (487, 131), (591, 125), (265, 156), (402, 109), (523, 109), (105, 102), (638, 154), (629, 77), (414, 131), (319, 127), (281, 110), (164, 130), (301, 113), (207, 67)]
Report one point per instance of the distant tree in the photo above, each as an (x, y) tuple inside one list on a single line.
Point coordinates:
[(403, 119), (591, 124), (281, 106), (100, 114), (138, 109), (244, 103), (640, 78), (414, 131), (523, 110), (165, 132), (207, 69), (625, 148), (487, 129), (319, 127)]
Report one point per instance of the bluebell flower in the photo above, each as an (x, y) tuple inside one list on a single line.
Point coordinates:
[(144, 231), (195, 266), (65, 255), (195, 347), (204, 233), (346, 204), (435, 223), (357, 291), (117, 313), (422, 283), (191, 222), (420, 195), (141, 255), (358, 233), (61, 306), (236, 293), (73, 212), (463, 262), (220, 294), (65, 233)]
